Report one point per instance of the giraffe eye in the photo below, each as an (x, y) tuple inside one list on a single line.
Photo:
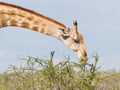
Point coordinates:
[(76, 41), (63, 30)]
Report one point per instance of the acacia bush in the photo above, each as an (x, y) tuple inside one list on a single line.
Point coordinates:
[(43, 74)]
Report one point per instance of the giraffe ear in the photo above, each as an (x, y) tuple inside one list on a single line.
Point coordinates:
[(75, 27)]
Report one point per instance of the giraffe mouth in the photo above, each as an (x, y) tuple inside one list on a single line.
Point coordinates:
[(84, 57)]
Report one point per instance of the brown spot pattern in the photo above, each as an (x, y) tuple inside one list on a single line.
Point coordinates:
[(14, 22), (2, 16), (35, 28), (13, 12), (36, 22), (42, 30), (44, 25), (25, 24)]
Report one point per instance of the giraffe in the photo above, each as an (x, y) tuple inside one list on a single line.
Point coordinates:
[(12, 15)]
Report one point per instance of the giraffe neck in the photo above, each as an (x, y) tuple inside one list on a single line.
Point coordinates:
[(11, 15)]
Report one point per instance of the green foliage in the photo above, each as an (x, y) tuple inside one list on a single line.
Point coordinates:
[(43, 74)]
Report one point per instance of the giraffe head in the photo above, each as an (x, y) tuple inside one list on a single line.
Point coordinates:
[(74, 40), (78, 42)]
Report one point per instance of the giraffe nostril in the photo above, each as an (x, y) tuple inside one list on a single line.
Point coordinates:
[(83, 59), (75, 50), (85, 54)]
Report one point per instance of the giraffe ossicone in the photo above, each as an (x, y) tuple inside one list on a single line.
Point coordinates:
[(12, 15)]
